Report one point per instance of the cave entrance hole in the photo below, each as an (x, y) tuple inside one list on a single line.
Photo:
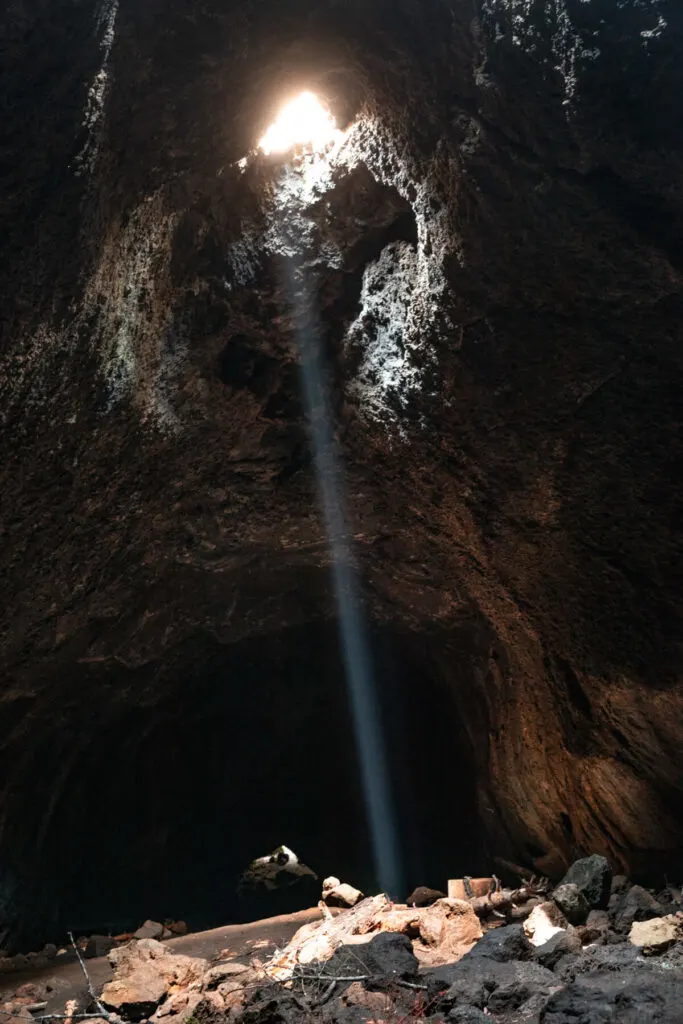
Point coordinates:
[(302, 122)]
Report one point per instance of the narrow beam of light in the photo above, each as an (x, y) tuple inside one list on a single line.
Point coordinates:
[(363, 697)]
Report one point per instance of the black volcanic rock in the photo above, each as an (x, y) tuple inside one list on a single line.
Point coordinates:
[(592, 877)]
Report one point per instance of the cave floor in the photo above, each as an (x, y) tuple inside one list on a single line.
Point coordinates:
[(233, 941)]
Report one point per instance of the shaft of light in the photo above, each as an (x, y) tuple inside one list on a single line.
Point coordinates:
[(363, 698)]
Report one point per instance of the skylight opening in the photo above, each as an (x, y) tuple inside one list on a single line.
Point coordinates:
[(302, 123)]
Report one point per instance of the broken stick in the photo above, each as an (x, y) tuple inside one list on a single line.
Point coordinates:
[(504, 903), (91, 991)]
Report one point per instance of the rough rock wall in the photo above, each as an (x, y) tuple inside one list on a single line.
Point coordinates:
[(497, 267)]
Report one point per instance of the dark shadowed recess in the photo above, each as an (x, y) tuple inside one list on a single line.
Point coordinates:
[(148, 797)]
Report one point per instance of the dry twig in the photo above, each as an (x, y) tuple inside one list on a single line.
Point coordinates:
[(91, 991)]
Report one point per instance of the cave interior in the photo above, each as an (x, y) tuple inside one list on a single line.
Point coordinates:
[(488, 270)]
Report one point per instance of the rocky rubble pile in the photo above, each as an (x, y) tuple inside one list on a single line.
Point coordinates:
[(595, 950), (20, 961), (90, 945)]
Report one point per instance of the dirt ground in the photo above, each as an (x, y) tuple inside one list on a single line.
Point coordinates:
[(235, 941)]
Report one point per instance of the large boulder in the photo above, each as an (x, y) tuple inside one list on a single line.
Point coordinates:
[(592, 876), (145, 973)]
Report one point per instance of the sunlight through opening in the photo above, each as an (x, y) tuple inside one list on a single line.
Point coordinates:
[(303, 122)]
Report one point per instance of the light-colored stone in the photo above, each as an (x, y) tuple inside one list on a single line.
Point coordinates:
[(149, 930), (131, 995), (144, 973), (405, 920), (179, 1006), (657, 934), (451, 926), (340, 894), (543, 922), (214, 1000), (174, 1004), (223, 973), (233, 995), (229, 986)]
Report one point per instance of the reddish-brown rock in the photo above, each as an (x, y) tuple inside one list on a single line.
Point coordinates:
[(449, 928)]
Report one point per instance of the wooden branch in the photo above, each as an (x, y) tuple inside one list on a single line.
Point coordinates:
[(502, 903), (91, 991)]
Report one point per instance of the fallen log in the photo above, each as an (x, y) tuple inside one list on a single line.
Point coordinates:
[(318, 940)]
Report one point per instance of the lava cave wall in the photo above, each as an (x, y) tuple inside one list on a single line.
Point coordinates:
[(496, 262)]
